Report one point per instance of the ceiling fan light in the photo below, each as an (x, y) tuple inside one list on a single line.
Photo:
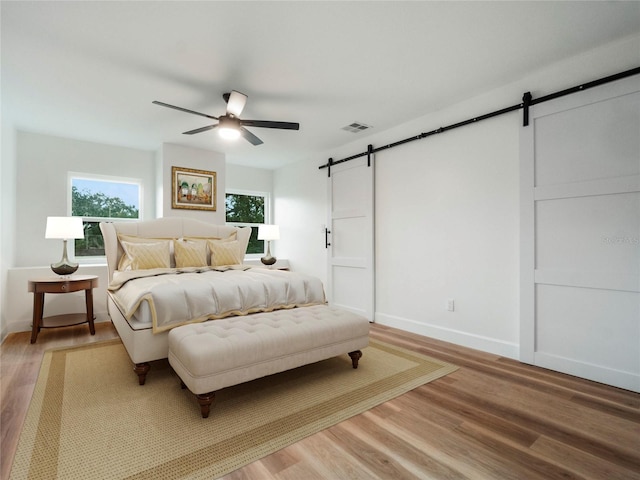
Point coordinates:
[(229, 133), (229, 127)]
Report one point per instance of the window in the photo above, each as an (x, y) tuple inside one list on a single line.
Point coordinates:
[(248, 209), (98, 199)]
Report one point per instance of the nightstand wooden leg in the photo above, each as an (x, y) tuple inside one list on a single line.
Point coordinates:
[(38, 310), (88, 295)]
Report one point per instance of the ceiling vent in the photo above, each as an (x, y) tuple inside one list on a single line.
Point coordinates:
[(356, 127)]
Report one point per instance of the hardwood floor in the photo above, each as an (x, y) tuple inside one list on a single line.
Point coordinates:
[(494, 418)]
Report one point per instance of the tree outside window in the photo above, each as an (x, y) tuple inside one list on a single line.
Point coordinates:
[(97, 200), (248, 209)]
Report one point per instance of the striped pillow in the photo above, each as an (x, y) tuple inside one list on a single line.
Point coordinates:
[(225, 252), (143, 256), (190, 253), (125, 261)]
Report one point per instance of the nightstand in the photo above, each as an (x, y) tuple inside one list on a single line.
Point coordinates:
[(73, 283), (281, 264)]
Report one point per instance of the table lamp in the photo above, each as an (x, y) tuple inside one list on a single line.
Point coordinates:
[(268, 233), (64, 228)]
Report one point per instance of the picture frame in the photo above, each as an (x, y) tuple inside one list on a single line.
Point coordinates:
[(193, 189)]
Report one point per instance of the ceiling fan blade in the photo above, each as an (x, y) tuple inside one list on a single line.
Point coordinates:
[(236, 103), (200, 130), (250, 136), (162, 104), (270, 124)]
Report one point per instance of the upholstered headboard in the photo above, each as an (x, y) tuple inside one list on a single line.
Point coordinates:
[(168, 227)]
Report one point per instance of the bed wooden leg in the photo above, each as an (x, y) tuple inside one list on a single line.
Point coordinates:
[(205, 400), (141, 370), (355, 356)]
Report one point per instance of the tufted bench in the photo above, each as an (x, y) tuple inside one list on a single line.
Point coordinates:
[(219, 353)]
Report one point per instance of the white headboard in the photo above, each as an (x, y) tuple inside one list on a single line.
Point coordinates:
[(168, 227)]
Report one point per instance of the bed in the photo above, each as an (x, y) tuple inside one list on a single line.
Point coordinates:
[(169, 272)]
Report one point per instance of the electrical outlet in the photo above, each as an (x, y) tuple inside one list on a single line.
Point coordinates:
[(450, 305)]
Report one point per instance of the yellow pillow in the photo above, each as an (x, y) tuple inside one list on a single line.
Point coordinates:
[(143, 256), (190, 253), (125, 261), (233, 236), (225, 252)]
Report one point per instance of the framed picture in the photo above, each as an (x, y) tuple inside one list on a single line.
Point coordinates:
[(193, 189)]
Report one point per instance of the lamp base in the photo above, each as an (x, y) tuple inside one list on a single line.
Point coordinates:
[(268, 260), (62, 268)]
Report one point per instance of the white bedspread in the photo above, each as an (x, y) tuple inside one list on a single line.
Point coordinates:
[(180, 296)]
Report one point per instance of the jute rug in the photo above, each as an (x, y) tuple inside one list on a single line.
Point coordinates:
[(89, 419)]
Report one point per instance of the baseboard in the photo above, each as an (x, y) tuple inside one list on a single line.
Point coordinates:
[(477, 342), (597, 373)]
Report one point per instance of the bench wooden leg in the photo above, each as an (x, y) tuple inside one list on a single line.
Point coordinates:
[(205, 400), (355, 356), (141, 370)]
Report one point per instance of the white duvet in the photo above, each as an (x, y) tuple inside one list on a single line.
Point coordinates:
[(180, 296)]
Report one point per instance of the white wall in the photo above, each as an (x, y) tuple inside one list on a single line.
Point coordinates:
[(300, 198), (247, 178), (447, 211), (43, 164), (7, 217), (447, 228)]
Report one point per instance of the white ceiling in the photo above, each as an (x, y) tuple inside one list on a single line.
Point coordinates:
[(90, 70)]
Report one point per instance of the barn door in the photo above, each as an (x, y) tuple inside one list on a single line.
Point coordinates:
[(580, 236), (350, 241)]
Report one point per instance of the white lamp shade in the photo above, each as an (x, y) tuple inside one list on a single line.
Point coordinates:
[(268, 232), (64, 228)]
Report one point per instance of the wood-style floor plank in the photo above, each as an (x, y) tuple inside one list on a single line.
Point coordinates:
[(494, 418)]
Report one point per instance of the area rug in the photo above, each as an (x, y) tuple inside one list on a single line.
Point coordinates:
[(89, 418)]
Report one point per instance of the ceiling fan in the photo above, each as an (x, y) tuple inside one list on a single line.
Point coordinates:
[(230, 125)]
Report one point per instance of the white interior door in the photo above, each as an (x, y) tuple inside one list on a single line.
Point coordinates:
[(580, 235), (351, 237)]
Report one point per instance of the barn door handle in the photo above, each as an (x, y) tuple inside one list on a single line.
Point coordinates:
[(326, 237)]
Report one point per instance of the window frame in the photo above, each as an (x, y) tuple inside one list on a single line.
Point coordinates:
[(100, 178), (267, 214)]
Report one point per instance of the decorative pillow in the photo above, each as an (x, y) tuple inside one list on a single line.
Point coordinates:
[(190, 253), (225, 252), (125, 261), (143, 256), (233, 236)]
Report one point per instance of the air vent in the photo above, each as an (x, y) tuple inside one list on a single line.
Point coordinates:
[(356, 127)]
